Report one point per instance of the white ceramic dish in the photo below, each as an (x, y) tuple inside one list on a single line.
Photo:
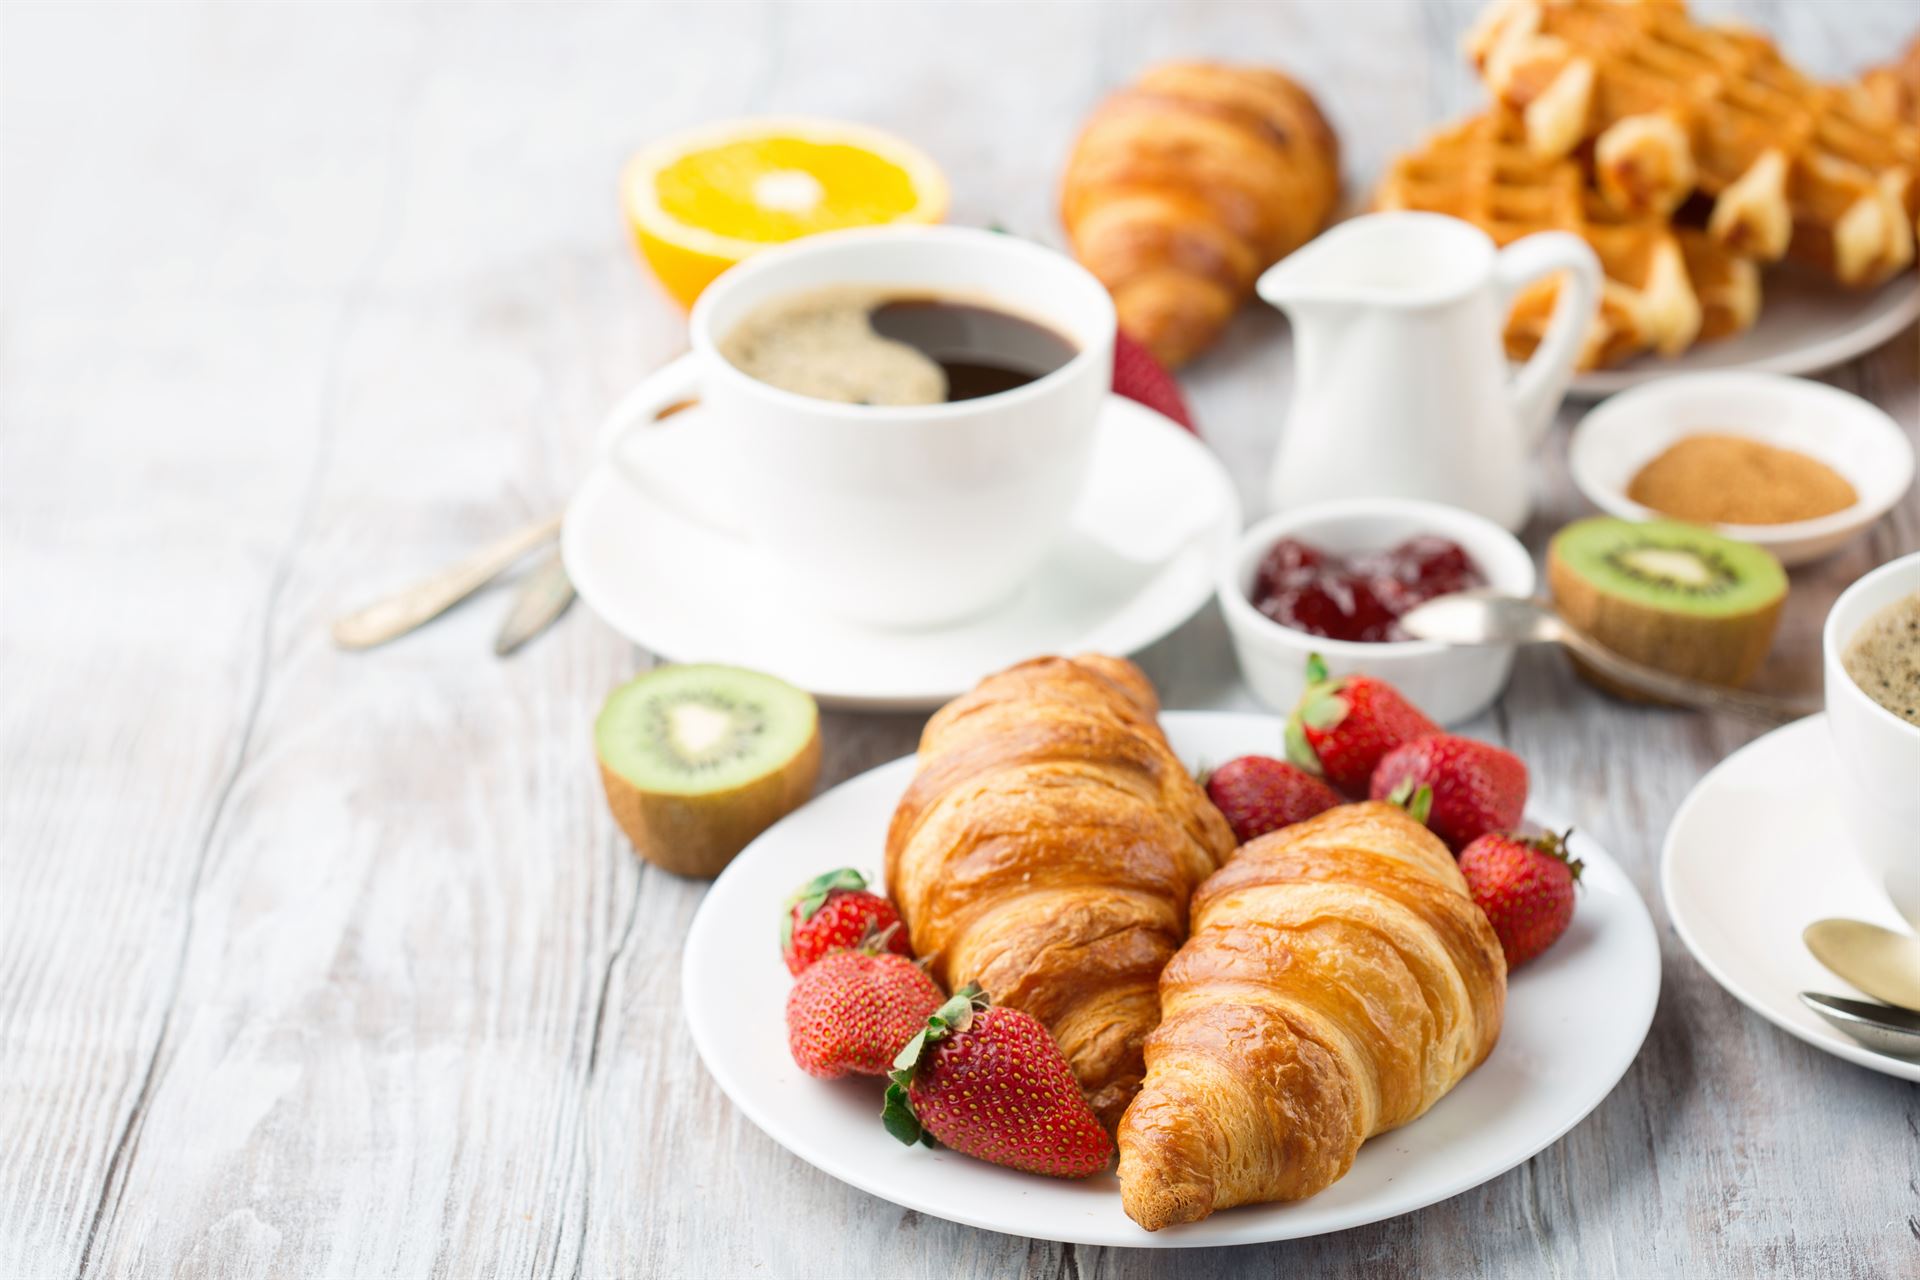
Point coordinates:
[(1157, 515), (1853, 437), (1806, 324), (1743, 873), (1877, 752), (1575, 1019), (1449, 684)]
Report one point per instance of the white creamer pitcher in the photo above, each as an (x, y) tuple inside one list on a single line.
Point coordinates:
[(1401, 385)]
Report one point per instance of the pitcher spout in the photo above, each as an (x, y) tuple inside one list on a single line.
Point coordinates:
[(1398, 259), (1300, 284)]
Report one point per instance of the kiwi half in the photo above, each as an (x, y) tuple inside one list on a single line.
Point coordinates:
[(1669, 595), (697, 760)]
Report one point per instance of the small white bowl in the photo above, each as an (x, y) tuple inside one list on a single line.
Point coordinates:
[(1853, 437), (1450, 684)]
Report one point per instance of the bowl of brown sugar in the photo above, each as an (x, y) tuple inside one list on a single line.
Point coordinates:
[(1795, 466)]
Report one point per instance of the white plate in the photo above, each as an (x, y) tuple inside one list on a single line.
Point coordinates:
[(1806, 324), (1743, 873), (1161, 509), (1575, 1020), (1853, 437)]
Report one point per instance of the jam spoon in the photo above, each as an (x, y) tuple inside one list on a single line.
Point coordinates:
[(1488, 617)]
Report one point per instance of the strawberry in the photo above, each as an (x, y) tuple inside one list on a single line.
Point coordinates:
[(1343, 727), (850, 1012), (989, 1082), (1525, 887), (1259, 794), (1138, 376), (1476, 786), (833, 911)]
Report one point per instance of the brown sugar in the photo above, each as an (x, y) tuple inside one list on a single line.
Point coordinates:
[(1722, 479)]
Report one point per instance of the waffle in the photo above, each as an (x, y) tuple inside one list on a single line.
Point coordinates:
[(1665, 288), (1895, 87), (1668, 105)]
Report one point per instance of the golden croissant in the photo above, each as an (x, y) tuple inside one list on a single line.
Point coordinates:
[(1184, 187), (1338, 982), (1046, 850)]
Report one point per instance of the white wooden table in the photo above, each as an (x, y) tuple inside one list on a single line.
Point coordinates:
[(317, 964)]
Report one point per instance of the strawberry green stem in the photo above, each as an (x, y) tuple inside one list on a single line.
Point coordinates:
[(951, 1018), (1321, 707), (812, 895), (1418, 804)]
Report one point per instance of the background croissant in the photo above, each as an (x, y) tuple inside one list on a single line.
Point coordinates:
[(1183, 188), (1047, 849), (1338, 982)]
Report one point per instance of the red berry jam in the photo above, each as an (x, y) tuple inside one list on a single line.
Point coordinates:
[(1362, 597)]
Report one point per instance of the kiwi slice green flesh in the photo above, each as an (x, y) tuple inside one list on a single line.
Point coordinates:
[(1668, 594), (696, 729), (697, 760), (1665, 564)]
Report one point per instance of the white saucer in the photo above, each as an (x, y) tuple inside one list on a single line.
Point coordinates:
[(1754, 856), (1806, 324), (1575, 1019), (1159, 514)]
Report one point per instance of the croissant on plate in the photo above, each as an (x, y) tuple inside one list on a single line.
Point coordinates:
[(1338, 982), (1046, 850), (1187, 185)]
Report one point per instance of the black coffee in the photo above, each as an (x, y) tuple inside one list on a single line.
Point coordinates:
[(981, 349), (860, 345)]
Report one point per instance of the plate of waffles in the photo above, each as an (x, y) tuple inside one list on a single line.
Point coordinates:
[(1747, 216), (1807, 325), (1675, 298)]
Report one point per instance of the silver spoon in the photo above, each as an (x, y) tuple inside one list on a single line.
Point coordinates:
[(1488, 617), (413, 606), (537, 605), (1881, 962), (1879, 1027)]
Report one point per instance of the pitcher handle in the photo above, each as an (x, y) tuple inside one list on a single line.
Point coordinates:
[(1541, 383)]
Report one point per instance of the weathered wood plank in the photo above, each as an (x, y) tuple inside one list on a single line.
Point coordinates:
[(325, 964)]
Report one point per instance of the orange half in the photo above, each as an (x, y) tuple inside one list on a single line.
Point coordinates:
[(700, 201)]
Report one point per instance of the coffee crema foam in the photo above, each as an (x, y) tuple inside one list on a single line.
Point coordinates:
[(821, 343), (1884, 658)]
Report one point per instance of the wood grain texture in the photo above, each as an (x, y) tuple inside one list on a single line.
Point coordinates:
[(324, 964)]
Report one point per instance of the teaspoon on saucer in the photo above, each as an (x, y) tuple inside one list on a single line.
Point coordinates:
[(1881, 962), (1488, 617), (1879, 1027)]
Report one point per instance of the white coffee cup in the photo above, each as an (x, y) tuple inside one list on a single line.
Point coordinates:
[(1878, 753), (895, 515)]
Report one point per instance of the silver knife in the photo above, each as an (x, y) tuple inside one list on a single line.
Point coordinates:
[(538, 603)]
